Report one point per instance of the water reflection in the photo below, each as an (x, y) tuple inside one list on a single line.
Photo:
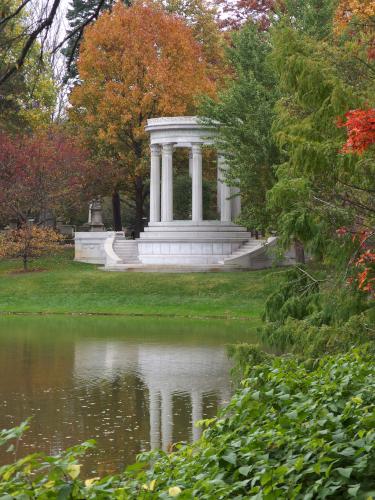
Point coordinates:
[(131, 384)]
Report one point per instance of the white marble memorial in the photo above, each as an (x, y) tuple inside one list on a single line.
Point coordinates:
[(185, 245), (194, 242)]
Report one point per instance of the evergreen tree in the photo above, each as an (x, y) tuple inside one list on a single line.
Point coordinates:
[(245, 113), (319, 188)]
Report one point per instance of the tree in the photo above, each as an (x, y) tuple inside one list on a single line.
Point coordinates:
[(347, 10), (135, 63), (235, 14), (245, 113), (319, 189), (28, 97), (197, 14), (310, 16), (28, 242), (80, 14), (201, 17), (39, 173)]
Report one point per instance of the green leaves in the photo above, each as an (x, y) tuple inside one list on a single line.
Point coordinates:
[(245, 112)]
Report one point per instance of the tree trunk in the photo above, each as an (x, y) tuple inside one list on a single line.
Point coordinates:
[(299, 252), (25, 262), (116, 210), (138, 205)]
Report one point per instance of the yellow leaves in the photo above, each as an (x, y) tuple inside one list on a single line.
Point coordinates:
[(150, 486), (357, 400), (347, 9), (73, 470), (174, 491), (91, 481)]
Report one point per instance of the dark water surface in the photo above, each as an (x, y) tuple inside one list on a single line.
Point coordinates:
[(129, 383)]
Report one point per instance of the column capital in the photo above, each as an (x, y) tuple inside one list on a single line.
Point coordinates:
[(155, 149), (196, 148), (168, 147)]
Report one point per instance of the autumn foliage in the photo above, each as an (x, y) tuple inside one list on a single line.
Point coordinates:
[(135, 63), (42, 172), (360, 124), (234, 14), (349, 9), (28, 242), (363, 262)]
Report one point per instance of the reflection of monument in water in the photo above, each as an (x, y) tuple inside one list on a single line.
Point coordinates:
[(192, 370), (166, 370)]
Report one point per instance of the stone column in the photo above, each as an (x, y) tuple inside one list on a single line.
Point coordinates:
[(167, 183), (166, 419), (197, 200), (226, 212), (236, 202), (155, 184), (218, 190), (197, 413), (190, 163), (154, 419)]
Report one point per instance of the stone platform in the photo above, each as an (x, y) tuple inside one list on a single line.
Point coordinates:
[(190, 243)]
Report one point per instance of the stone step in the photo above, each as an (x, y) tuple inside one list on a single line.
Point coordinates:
[(128, 243), (246, 249), (140, 268), (126, 250), (196, 228), (190, 235)]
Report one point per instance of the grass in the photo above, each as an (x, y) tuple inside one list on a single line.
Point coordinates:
[(59, 285)]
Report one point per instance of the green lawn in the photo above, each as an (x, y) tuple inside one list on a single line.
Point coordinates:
[(60, 285)]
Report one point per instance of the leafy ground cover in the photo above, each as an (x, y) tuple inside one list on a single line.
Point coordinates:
[(291, 431), (59, 285)]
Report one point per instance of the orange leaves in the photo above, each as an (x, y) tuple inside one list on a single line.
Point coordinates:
[(360, 125), (356, 19), (348, 9), (363, 264), (136, 63), (365, 278)]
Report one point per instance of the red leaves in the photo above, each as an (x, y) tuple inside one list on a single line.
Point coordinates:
[(236, 13), (360, 124), (40, 172), (364, 263), (341, 231)]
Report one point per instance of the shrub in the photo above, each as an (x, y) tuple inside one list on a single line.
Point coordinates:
[(302, 338)]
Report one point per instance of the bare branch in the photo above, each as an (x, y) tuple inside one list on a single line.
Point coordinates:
[(45, 25), (80, 28), (15, 13)]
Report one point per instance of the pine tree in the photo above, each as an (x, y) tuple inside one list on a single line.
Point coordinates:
[(245, 113)]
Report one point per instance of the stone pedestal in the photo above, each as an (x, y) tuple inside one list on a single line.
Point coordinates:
[(96, 219)]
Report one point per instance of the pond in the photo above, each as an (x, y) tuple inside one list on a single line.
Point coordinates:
[(130, 383)]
